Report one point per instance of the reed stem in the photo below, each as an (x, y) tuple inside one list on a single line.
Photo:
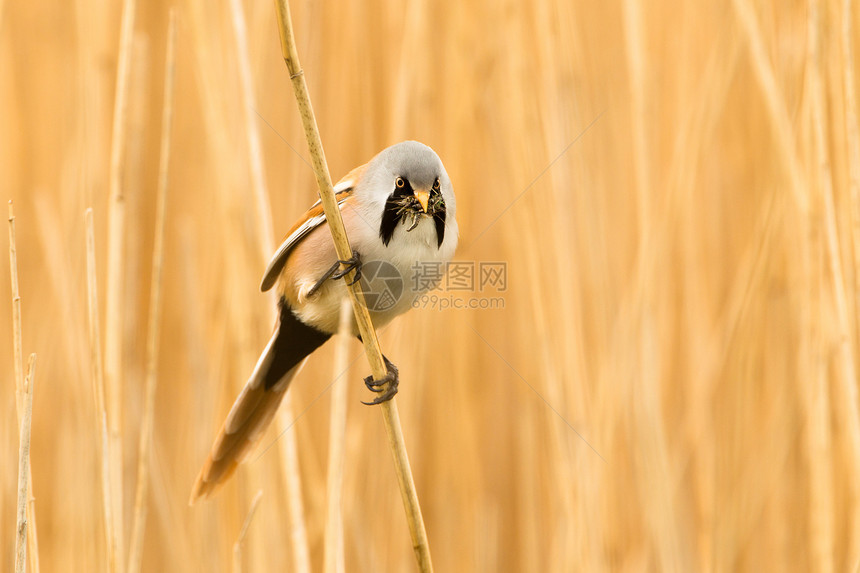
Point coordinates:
[(24, 469), (390, 414), (98, 378), (135, 555), (116, 273), (20, 383), (240, 541), (333, 561)]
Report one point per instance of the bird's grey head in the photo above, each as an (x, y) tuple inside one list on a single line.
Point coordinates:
[(411, 164), (414, 162)]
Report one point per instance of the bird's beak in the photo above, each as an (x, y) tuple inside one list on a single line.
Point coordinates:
[(423, 198)]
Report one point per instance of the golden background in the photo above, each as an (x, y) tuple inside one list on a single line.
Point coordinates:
[(674, 188)]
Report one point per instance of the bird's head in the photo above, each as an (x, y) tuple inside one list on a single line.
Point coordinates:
[(407, 183)]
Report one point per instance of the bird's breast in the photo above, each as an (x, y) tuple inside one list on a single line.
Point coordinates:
[(393, 275)]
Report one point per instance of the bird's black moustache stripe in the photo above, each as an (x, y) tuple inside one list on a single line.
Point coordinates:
[(390, 219), (439, 219), (393, 214)]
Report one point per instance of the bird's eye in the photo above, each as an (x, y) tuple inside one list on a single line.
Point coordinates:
[(400, 183), (436, 185)]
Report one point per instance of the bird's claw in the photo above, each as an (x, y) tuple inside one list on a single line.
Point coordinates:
[(335, 272), (386, 393), (352, 263)]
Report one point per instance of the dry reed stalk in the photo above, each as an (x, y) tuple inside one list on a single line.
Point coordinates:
[(698, 125), (406, 69), (198, 340), (390, 413), (24, 468), (111, 533), (116, 274), (333, 561), (562, 356), (237, 546), (652, 462), (821, 498), (844, 387), (286, 430), (784, 137), (18, 359), (135, 556), (852, 129), (635, 50), (17, 347), (32, 539), (223, 125), (549, 545), (255, 154), (289, 455)]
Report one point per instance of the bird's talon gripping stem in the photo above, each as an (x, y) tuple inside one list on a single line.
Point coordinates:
[(352, 263), (335, 272), (392, 378)]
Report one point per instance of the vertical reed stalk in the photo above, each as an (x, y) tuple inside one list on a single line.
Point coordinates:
[(116, 272), (17, 347), (24, 468), (255, 153), (852, 129), (135, 556), (237, 547), (635, 49), (390, 413), (18, 359), (778, 115), (288, 449), (333, 553), (287, 431), (846, 379), (818, 436), (96, 366)]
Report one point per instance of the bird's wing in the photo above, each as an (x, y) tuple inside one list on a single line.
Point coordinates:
[(312, 219)]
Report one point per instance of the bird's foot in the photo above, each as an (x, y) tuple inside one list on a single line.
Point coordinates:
[(335, 272), (352, 263), (392, 379)]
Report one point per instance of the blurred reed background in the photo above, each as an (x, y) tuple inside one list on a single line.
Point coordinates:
[(674, 188)]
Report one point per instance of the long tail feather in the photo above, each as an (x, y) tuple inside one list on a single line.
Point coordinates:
[(253, 410), (251, 414)]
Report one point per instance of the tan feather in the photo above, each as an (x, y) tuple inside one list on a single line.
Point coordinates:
[(249, 417)]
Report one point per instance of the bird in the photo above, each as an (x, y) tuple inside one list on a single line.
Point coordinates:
[(399, 212)]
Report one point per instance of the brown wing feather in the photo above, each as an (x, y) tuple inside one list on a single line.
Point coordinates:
[(343, 189), (316, 210), (313, 218)]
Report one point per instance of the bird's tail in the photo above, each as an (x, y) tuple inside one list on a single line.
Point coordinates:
[(254, 409)]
